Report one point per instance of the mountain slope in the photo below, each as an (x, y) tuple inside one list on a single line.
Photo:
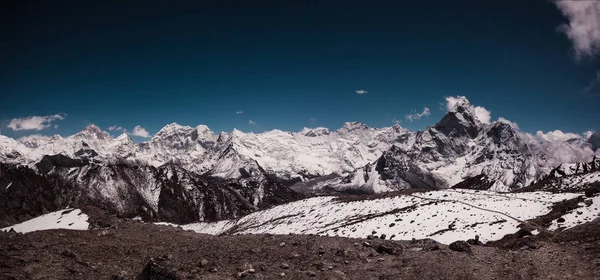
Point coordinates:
[(167, 193), (457, 148)]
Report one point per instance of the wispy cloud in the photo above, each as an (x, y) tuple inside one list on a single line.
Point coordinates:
[(361, 91), (593, 83), (34, 122), (252, 123), (583, 27), (117, 129), (240, 112), (416, 116), (140, 131), (396, 121), (312, 120)]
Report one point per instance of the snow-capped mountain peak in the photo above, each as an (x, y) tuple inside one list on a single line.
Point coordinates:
[(351, 126), (92, 132), (313, 132), (123, 138), (205, 134)]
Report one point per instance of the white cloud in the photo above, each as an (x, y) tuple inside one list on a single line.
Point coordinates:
[(117, 129), (240, 112), (559, 146), (483, 114), (34, 122), (415, 116), (451, 102), (252, 122), (512, 124), (396, 121), (361, 91), (312, 120), (556, 136), (583, 27), (140, 131)]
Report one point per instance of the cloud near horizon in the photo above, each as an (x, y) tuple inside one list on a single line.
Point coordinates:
[(252, 123), (34, 122), (240, 112), (117, 129), (416, 116), (140, 132), (361, 91)]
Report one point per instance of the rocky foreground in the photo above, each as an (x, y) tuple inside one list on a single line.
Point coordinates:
[(117, 248)]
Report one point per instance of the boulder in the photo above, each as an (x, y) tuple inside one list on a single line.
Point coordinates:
[(156, 271), (460, 246)]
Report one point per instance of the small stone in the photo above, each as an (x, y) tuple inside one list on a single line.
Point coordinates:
[(383, 236), (380, 259), (282, 274), (346, 262), (311, 273), (203, 263), (213, 269), (251, 270), (282, 244), (285, 266), (366, 244), (356, 244)]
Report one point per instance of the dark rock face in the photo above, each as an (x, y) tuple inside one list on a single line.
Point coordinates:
[(460, 246), (30, 194), (479, 182), (48, 162)]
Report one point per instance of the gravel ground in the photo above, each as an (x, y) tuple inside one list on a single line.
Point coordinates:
[(125, 248)]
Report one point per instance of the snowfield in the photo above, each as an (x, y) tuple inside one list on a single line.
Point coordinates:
[(444, 216), (63, 219), (578, 216)]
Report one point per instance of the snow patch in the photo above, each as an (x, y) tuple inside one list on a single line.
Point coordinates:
[(63, 219)]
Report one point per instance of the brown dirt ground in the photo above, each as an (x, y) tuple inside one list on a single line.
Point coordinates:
[(123, 250)]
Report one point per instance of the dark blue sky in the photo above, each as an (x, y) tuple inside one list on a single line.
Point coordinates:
[(150, 63)]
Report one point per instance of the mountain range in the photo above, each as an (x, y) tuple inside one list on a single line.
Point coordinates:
[(184, 174)]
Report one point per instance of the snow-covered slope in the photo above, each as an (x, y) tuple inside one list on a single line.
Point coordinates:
[(444, 216)]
